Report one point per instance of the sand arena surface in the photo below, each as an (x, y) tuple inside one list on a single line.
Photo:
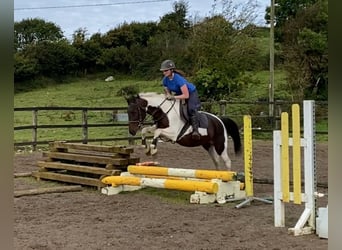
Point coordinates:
[(91, 220)]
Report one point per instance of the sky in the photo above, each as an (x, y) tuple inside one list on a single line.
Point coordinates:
[(101, 16)]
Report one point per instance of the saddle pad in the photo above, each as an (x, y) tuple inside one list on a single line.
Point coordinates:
[(202, 131)]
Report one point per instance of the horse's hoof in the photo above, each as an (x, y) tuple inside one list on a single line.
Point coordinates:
[(147, 150), (153, 151)]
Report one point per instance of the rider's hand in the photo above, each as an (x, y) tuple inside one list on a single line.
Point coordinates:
[(170, 97)]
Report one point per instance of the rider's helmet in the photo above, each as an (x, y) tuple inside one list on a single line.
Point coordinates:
[(167, 64)]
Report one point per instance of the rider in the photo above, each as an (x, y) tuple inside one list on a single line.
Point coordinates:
[(174, 82)]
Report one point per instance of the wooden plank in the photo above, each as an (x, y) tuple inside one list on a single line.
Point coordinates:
[(96, 153), (133, 160), (36, 191), (69, 178), (22, 174), (78, 168), (55, 149), (89, 147), (87, 158)]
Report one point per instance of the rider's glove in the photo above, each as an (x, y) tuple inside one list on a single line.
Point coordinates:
[(170, 97)]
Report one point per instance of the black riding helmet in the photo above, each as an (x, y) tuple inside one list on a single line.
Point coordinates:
[(167, 64)]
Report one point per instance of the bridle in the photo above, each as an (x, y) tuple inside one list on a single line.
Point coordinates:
[(141, 121)]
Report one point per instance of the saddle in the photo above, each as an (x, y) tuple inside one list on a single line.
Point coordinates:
[(202, 119)]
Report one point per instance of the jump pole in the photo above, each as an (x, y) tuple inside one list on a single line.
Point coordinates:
[(181, 172), (248, 158), (190, 174), (183, 185), (281, 144), (208, 185)]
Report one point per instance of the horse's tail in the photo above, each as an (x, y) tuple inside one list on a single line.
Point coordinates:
[(233, 130)]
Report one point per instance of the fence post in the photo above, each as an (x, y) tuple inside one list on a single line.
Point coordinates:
[(84, 126), (34, 130), (222, 104), (277, 115)]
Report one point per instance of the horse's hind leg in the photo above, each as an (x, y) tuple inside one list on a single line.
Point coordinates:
[(214, 156), (227, 161)]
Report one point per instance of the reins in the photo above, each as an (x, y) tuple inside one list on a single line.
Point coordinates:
[(164, 114), (155, 120)]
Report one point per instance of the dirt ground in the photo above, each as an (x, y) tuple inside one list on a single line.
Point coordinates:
[(137, 220)]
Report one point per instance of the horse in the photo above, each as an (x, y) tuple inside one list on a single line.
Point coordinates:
[(170, 124)]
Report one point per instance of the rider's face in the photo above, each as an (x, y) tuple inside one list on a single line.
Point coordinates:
[(167, 72)]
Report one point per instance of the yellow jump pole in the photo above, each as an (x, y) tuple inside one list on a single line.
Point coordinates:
[(247, 137), (296, 151), (285, 164), (248, 159), (180, 172), (242, 184), (183, 185)]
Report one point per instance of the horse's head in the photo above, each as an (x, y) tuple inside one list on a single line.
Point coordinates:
[(136, 113)]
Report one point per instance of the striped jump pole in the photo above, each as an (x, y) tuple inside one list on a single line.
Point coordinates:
[(185, 173), (281, 157), (183, 185), (248, 158)]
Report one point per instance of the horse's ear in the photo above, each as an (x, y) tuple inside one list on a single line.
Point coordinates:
[(128, 98)]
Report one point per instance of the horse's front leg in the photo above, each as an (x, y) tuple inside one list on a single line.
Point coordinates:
[(144, 132), (153, 145)]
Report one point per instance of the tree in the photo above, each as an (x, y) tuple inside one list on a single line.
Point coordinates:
[(117, 59), (305, 47), (89, 51), (173, 32), (55, 60), (32, 31), (284, 11), (221, 53), (176, 21), (124, 46), (301, 29), (24, 68), (129, 34)]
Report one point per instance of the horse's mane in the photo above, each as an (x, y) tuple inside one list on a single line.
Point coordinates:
[(154, 98), (151, 94)]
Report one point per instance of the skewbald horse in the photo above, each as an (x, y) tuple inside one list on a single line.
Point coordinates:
[(169, 125)]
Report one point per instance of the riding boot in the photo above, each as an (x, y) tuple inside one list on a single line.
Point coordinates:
[(194, 123)]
